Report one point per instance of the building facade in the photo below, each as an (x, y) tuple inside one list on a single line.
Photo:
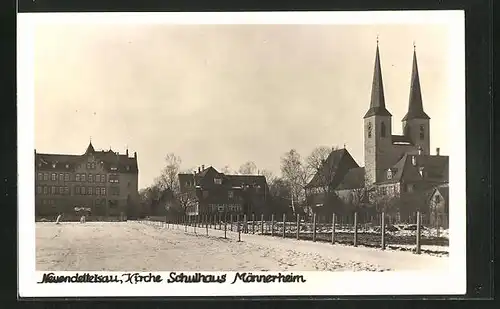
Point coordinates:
[(209, 192), (105, 183), (394, 165)]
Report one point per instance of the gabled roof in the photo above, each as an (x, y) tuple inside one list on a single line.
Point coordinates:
[(434, 169), (415, 107), (377, 102), (330, 169), (354, 179)]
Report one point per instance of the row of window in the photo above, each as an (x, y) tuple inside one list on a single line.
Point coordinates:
[(113, 178), (383, 130), (54, 190), (225, 207)]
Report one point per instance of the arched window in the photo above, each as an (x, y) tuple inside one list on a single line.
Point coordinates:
[(369, 129), (382, 129), (389, 174), (422, 132)]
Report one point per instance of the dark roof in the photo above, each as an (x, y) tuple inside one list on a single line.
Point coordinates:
[(66, 162), (377, 103), (415, 107), (354, 179), (434, 169), (401, 139), (445, 192), (333, 163)]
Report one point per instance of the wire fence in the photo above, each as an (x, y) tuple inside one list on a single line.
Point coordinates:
[(348, 230)]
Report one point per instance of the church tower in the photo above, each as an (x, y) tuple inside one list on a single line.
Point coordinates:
[(416, 121), (377, 129)]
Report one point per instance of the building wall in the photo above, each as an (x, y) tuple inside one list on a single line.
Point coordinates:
[(378, 148), (412, 128), (70, 189)]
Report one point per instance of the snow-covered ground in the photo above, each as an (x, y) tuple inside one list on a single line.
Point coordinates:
[(121, 246)]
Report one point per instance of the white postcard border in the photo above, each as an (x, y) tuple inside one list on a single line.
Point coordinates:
[(452, 281)]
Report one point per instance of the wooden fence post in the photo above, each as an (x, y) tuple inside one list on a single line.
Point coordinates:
[(355, 229), (238, 227), (417, 251), (383, 230), (298, 226), (333, 228), (284, 225), (253, 223), (225, 225), (314, 227), (231, 219), (206, 224), (194, 224), (262, 224), (245, 223)]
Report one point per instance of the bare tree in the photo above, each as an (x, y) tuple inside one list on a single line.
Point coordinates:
[(323, 174), (248, 168), (169, 175), (226, 170), (294, 172)]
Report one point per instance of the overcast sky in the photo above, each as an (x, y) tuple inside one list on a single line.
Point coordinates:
[(226, 94)]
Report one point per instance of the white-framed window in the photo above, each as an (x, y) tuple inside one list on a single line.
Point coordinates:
[(217, 181), (90, 178), (45, 190), (82, 177), (46, 176), (83, 191), (61, 176), (66, 177), (40, 176), (97, 191), (103, 191), (53, 190), (77, 177), (90, 191), (54, 177), (97, 178), (230, 194), (103, 178), (77, 190), (39, 190)]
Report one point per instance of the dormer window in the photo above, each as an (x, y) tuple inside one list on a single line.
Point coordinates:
[(53, 165), (413, 160), (217, 181), (230, 194), (67, 165), (389, 174), (421, 172)]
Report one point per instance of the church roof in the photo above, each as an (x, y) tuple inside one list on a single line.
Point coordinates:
[(354, 179), (336, 165), (415, 106), (377, 102)]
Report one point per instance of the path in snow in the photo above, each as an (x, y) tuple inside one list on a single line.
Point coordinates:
[(123, 246)]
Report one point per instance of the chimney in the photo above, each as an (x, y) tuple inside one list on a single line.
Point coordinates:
[(203, 167), (135, 154), (199, 169), (419, 151), (437, 151), (127, 152)]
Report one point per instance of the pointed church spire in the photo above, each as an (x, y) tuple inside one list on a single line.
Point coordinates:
[(377, 103), (90, 148), (415, 107)]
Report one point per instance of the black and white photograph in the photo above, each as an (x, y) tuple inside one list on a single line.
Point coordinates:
[(270, 153)]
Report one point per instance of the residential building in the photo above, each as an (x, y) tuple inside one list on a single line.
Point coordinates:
[(105, 182), (208, 192)]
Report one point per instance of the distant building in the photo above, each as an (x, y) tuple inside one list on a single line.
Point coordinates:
[(208, 192), (438, 207), (395, 165), (105, 182)]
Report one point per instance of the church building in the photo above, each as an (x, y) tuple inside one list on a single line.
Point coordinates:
[(394, 165)]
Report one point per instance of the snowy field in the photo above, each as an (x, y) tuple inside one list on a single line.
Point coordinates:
[(122, 246)]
